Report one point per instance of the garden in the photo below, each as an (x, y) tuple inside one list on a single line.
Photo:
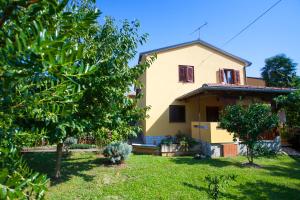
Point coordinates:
[(90, 176), (65, 76)]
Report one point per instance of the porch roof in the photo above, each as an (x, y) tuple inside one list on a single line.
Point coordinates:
[(245, 89)]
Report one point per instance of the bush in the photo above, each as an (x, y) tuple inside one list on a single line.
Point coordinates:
[(117, 152), (70, 141), (17, 181), (260, 150), (82, 146), (218, 183), (184, 141), (168, 140)]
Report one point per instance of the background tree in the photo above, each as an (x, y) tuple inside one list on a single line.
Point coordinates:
[(104, 102), (291, 105), (63, 74), (280, 71), (248, 124)]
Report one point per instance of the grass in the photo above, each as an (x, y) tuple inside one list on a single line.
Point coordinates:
[(86, 176)]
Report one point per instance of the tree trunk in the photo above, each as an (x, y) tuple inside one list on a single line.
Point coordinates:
[(59, 149), (250, 155)]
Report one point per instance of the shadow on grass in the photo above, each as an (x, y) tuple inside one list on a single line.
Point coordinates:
[(266, 190), (45, 164), (257, 190), (288, 170), (207, 161), (201, 188)]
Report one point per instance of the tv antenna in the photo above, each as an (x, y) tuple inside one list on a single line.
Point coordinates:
[(199, 30)]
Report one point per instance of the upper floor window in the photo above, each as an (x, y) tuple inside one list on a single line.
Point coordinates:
[(138, 91), (229, 76), (186, 74)]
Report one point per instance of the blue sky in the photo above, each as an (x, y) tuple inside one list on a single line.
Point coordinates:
[(171, 22)]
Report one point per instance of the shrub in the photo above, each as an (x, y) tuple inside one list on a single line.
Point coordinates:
[(168, 140), (17, 181), (82, 146), (117, 152), (70, 140), (216, 184), (262, 150), (185, 141)]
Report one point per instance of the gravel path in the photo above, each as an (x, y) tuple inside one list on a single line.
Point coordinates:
[(291, 152), (32, 150)]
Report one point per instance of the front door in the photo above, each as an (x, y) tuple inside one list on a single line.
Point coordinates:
[(212, 114)]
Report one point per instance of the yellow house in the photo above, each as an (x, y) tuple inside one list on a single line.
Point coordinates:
[(189, 84)]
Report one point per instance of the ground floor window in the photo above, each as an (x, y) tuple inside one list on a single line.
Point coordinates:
[(212, 114), (176, 113)]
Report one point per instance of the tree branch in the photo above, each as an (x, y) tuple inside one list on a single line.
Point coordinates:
[(10, 8)]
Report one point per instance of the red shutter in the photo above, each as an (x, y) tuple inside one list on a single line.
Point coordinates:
[(182, 73), (233, 77), (190, 74), (237, 78), (221, 75)]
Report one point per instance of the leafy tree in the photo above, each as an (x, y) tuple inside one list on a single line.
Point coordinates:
[(248, 124), (17, 181), (104, 102), (280, 71), (63, 74), (41, 52), (291, 104)]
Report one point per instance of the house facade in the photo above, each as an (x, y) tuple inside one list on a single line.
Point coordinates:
[(189, 84)]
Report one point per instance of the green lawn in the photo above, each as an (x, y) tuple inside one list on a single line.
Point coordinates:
[(85, 176)]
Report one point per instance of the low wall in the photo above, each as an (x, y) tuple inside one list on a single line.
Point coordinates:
[(145, 149), (212, 150), (174, 150), (274, 145), (215, 150)]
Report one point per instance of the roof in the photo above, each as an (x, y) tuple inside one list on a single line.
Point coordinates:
[(255, 77), (239, 88), (201, 42)]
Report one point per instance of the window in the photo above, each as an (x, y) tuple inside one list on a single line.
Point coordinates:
[(176, 113), (138, 91), (212, 114), (229, 76), (186, 74)]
